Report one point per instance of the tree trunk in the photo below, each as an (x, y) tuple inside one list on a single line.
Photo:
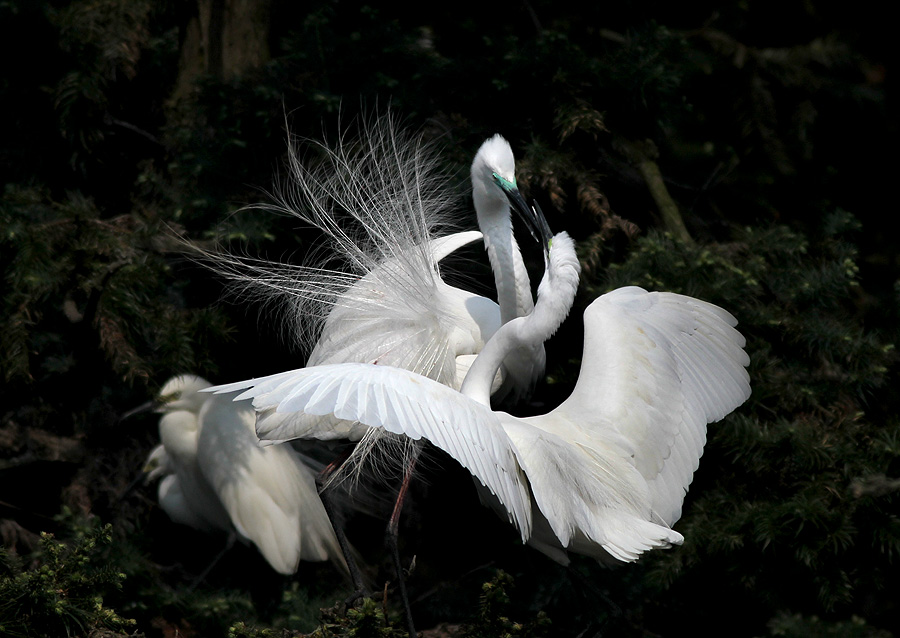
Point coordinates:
[(224, 38)]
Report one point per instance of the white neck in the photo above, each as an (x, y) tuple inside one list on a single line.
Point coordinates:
[(510, 275), (556, 294), (477, 384), (178, 432)]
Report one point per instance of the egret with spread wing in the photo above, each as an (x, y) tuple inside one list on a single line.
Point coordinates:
[(605, 473), (384, 208)]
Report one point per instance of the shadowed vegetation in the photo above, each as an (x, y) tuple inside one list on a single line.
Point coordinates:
[(734, 154)]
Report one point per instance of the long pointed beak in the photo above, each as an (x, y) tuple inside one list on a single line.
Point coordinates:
[(144, 407), (542, 227), (532, 215)]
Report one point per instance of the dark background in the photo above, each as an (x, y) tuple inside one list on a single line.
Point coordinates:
[(768, 126)]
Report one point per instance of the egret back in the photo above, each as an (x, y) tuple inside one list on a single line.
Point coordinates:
[(269, 494), (403, 314)]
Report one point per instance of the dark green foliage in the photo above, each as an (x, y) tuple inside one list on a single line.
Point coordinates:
[(766, 124), (791, 507), (240, 630), (493, 614), (797, 626), (367, 619), (82, 284), (105, 39), (59, 591)]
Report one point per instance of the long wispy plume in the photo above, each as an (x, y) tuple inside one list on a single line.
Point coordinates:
[(368, 291)]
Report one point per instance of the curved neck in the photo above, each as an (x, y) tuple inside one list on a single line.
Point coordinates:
[(480, 377), (556, 294), (510, 275), (178, 434)]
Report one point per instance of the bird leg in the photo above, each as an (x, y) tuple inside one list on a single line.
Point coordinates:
[(392, 532), (337, 522)]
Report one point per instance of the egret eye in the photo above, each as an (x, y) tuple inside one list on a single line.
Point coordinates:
[(169, 398)]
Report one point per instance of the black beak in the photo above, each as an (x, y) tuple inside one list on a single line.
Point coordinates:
[(541, 227), (533, 216)]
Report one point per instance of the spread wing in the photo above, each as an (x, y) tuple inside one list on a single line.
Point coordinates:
[(657, 368), (400, 402)]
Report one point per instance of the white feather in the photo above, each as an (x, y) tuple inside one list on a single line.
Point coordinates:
[(217, 478), (607, 469)]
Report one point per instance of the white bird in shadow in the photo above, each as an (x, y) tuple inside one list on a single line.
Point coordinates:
[(216, 478)]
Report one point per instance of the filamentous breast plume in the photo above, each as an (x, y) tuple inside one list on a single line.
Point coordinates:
[(371, 290)]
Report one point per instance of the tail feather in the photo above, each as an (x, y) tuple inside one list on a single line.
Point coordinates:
[(592, 500)]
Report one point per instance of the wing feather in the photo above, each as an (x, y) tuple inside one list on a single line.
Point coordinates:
[(400, 402), (657, 368)]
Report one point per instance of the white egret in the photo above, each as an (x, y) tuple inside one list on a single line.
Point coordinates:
[(384, 208), (170, 494), (605, 473), (157, 464), (376, 292), (383, 205), (215, 477)]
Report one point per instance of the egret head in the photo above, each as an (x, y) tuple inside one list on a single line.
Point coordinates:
[(157, 464), (182, 393), (494, 180)]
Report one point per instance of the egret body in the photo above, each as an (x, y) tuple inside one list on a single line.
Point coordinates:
[(605, 473), (383, 209), (217, 478)]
